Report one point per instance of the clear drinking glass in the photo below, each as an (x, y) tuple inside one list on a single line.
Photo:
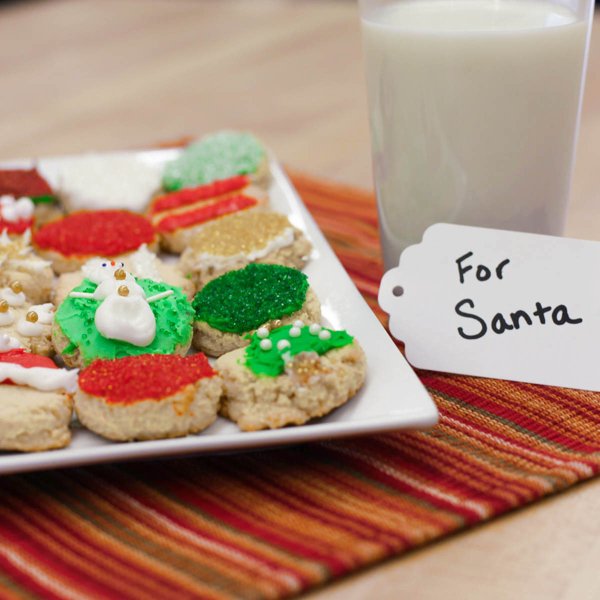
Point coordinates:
[(474, 107)]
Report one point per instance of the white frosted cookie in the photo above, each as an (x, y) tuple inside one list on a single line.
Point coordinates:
[(148, 397), (290, 376), (259, 296), (35, 414), (142, 264), (18, 263), (106, 181), (256, 236)]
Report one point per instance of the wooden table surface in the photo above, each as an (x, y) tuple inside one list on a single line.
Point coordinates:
[(83, 75)]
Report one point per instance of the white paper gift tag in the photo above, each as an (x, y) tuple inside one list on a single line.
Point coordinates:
[(499, 304)]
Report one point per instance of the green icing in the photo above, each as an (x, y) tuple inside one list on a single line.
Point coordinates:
[(243, 300), (43, 199), (215, 156), (272, 362), (173, 314)]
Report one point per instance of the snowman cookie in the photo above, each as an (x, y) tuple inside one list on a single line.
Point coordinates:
[(35, 400), (114, 314), (148, 397), (143, 264), (255, 236), (290, 375), (179, 216), (217, 156), (259, 296), (19, 263), (71, 241), (30, 326)]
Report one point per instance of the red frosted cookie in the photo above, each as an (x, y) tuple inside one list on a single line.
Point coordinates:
[(71, 241), (178, 216), (149, 396)]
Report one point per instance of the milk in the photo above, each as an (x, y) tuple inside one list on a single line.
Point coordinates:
[(474, 108)]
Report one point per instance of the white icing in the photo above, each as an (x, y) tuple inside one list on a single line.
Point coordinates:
[(40, 378), (13, 210), (206, 260), (283, 344), (7, 342), (324, 334), (126, 318), (101, 269), (12, 298), (111, 286), (15, 254), (266, 344), (143, 263), (315, 328), (96, 181), (6, 318), (295, 332), (45, 312), (262, 332), (28, 329)]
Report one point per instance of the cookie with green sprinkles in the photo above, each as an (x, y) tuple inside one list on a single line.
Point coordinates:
[(290, 375), (119, 317), (215, 157), (258, 297)]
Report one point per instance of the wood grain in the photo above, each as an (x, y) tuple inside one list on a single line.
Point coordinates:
[(83, 75)]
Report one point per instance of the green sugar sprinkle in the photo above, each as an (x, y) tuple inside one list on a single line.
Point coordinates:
[(173, 314), (243, 300), (217, 156), (271, 361)]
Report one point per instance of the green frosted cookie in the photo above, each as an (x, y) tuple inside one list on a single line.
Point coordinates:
[(217, 156)]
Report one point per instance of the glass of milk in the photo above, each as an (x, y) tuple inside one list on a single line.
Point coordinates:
[(474, 107)]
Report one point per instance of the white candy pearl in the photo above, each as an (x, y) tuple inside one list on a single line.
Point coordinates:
[(266, 344), (282, 344), (315, 328), (299, 323), (324, 335), (295, 332), (262, 332)]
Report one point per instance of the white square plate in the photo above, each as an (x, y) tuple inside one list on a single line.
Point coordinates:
[(392, 397)]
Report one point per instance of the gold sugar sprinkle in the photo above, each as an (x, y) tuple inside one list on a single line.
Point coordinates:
[(123, 290), (31, 316), (120, 275), (305, 367), (3, 306), (16, 287), (240, 233)]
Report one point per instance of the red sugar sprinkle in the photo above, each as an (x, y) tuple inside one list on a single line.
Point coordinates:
[(26, 359), (23, 182), (222, 207), (95, 233), (202, 192), (145, 377)]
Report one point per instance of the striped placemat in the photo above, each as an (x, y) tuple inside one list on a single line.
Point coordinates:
[(272, 524)]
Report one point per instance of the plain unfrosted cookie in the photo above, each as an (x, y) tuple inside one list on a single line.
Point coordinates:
[(288, 379), (236, 304), (179, 216), (148, 397), (254, 236), (35, 414)]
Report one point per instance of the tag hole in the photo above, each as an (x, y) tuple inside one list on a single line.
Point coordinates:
[(398, 291)]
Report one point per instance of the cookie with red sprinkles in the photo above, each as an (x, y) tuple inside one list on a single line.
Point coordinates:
[(71, 241), (150, 396)]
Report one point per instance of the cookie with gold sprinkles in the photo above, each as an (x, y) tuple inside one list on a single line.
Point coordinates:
[(230, 308), (147, 397), (217, 156), (230, 243), (290, 375)]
